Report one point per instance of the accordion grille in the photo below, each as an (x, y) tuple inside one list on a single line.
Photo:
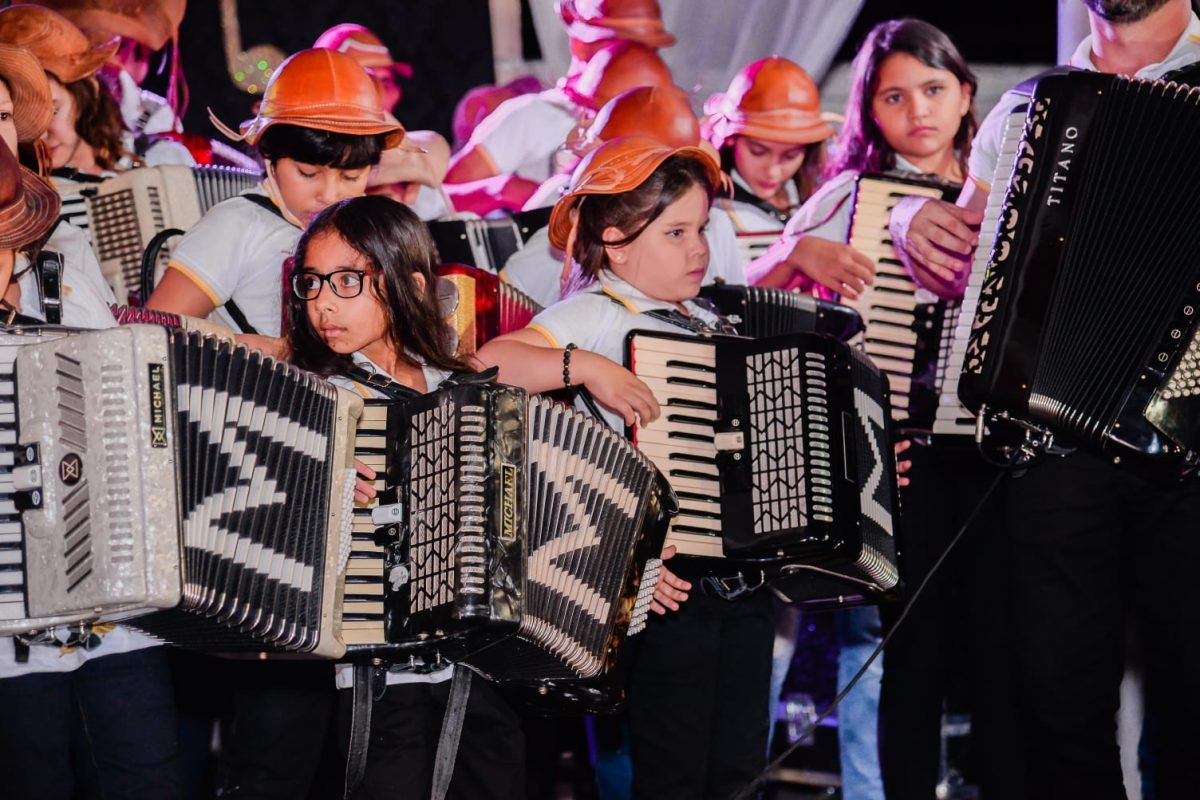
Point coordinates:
[(434, 508)]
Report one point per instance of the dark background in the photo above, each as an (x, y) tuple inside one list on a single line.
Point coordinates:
[(448, 42)]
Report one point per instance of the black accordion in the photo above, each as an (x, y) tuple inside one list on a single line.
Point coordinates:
[(202, 489), (757, 312), (511, 532), (483, 306), (779, 451), (486, 243), (127, 211), (907, 336), (1086, 321)]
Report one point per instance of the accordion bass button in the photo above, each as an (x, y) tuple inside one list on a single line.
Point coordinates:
[(27, 478)]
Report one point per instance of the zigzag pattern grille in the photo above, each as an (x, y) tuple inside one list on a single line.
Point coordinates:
[(776, 415), (433, 502)]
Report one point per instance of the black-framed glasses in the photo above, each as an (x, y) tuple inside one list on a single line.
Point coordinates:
[(346, 283)]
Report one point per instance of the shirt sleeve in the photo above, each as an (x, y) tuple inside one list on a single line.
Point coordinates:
[(826, 214), (520, 131), (985, 149), (213, 250), (582, 319), (724, 258)]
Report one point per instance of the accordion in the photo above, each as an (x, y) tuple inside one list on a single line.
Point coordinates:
[(125, 213), (906, 335), (779, 451), (511, 532), (752, 244), (757, 312), (1086, 322), (486, 243), (483, 306), (205, 490)]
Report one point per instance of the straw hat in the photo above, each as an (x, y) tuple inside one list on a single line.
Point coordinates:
[(30, 90), (29, 205)]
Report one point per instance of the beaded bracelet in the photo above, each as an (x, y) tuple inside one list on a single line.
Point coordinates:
[(567, 364)]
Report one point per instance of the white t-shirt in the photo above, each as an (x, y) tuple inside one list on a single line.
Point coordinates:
[(433, 378), (985, 150), (535, 269), (236, 252), (599, 317), (523, 133), (86, 296), (751, 218)]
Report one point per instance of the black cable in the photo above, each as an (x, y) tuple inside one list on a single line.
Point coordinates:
[(748, 791)]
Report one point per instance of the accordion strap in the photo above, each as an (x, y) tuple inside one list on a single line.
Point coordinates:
[(368, 680), (452, 725)]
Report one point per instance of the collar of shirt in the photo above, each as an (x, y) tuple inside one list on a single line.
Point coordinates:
[(789, 186), (636, 302), (433, 375), (1185, 52)]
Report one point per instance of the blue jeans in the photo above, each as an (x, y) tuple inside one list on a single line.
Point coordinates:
[(858, 634)]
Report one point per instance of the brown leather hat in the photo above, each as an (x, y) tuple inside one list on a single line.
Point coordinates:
[(151, 22), (630, 20), (63, 49), (660, 112), (321, 89), (30, 90), (613, 69), (772, 99), (363, 46), (617, 166), (29, 205)]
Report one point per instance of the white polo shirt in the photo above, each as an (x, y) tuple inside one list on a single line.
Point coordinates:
[(750, 218), (236, 252), (433, 378), (599, 318), (985, 150), (535, 269), (523, 133)]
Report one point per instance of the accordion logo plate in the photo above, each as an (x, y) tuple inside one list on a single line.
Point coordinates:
[(70, 469), (508, 504), (158, 406)]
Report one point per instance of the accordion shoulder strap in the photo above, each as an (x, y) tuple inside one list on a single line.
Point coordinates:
[(262, 201), (368, 682), (452, 725), (381, 383)]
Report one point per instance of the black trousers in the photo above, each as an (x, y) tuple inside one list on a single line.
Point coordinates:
[(281, 716), (698, 699), (117, 709), (957, 638), (405, 725), (1092, 543)]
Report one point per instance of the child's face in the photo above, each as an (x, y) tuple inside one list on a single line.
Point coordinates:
[(61, 137), (918, 108), (306, 189), (765, 165), (667, 261), (346, 324)]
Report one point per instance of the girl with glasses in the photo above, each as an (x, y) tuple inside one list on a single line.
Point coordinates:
[(362, 310)]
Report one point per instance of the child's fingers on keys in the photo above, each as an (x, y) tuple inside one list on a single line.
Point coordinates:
[(362, 469)]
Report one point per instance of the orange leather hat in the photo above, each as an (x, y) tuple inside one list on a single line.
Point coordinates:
[(617, 166), (772, 99), (630, 20), (30, 90), (321, 89), (660, 112), (151, 22), (63, 49), (613, 69), (363, 46), (29, 205)]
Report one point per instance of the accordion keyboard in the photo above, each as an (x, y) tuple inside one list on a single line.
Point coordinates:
[(681, 442), (362, 608), (12, 567), (890, 306), (952, 418)]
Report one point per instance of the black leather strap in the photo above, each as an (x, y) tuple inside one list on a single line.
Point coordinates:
[(452, 725), (369, 682), (49, 273)]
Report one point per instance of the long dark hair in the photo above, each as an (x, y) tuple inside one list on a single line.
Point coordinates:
[(397, 245), (860, 145), (98, 121), (631, 213), (806, 180)]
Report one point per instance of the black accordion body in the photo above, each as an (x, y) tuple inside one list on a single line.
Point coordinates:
[(757, 311), (1086, 320), (486, 243), (906, 338), (780, 453), (512, 533), (127, 211)]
